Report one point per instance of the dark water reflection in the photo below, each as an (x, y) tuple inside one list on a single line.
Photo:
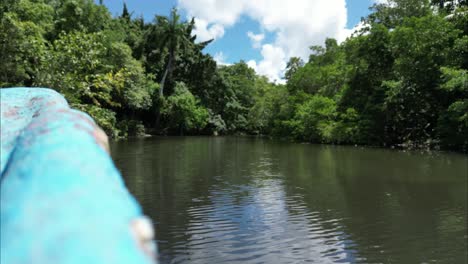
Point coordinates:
[(241, 200)]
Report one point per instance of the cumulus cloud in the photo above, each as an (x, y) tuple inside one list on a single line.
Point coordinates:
[(256, 39), (222, 12), (205, 32), (346, 33), (273, 63), (220, 58), (296, 25)]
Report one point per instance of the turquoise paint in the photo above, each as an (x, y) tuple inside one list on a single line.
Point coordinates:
[(62, 198)]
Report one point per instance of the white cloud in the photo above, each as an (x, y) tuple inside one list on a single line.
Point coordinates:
[(273, 63), (296, 25), (350, 32), (256, 39), (225, 12), (220, 58), (381, 1), (205, 32)]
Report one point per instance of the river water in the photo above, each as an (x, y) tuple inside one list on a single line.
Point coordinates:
[(244, 200)]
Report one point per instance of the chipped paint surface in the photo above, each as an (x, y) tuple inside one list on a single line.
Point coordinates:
[(62, 198)]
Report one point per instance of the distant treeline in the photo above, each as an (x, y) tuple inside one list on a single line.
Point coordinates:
[(399, 81)]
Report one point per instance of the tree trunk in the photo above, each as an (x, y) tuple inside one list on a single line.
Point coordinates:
[(166, 73)]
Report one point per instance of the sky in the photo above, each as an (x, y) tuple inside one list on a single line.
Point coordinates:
[(263, 33)]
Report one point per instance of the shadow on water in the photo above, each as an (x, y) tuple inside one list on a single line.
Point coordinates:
[(243, 200)]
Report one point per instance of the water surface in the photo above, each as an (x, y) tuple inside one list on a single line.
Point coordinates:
[(244, 200)]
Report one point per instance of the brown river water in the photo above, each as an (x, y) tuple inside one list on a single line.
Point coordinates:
[(245, 200)]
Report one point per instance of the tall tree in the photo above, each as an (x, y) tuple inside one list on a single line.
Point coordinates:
[(125, 13), (293, 65), (392, 12), (173, 37), (449, 5)]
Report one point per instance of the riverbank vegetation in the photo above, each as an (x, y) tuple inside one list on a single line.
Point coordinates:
[(401, 80)]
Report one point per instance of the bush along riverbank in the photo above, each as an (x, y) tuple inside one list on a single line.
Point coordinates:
[(401, 80)]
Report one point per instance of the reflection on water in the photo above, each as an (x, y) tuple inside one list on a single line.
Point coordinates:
[(242, 200)]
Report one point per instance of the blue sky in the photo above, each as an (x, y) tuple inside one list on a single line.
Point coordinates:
[(264, 33)]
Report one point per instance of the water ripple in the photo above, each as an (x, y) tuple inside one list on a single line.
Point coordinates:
[(262, 227), (231, 200)]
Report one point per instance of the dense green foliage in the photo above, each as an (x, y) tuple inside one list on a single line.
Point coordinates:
[(400, 81)]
